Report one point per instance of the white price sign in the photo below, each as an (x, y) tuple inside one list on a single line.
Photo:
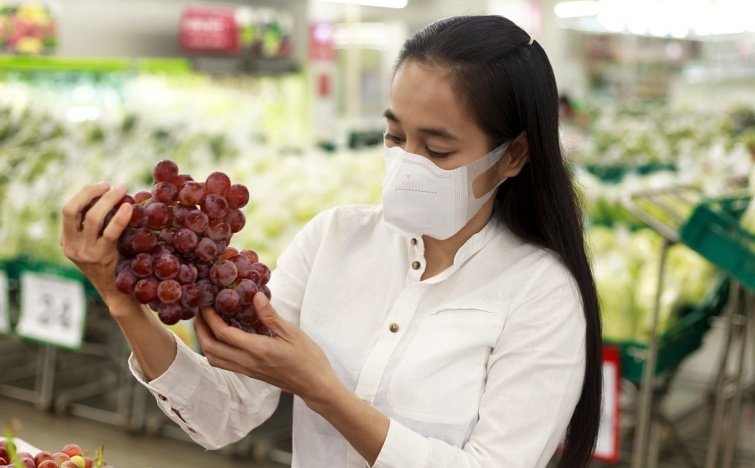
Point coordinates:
[(4, 303), (53, 310)]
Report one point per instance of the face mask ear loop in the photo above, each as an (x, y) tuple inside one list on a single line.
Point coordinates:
[(479, 167)]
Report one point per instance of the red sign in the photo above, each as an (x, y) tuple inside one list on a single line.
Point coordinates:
[(209, 30), (322, 45), (607, 448)]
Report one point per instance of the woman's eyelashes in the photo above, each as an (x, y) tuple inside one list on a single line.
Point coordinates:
[(398, 140), (393, 138)]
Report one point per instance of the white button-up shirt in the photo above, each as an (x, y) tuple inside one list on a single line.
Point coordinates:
[(479, 366)]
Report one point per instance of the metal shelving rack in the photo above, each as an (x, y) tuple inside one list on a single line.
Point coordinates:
[(667, 211)]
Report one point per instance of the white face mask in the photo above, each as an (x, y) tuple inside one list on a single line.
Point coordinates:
[(419, 198)]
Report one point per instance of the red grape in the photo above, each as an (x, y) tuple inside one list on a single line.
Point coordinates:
[(169, 313), (144, 240), (203, 270), (191, 193), (159, 215), (223, 273), (187, 273), (247, 316), (145, 290), (180, 211), (164, 192), (125, 281), (125, 199), (246, 290), (263, 271), (251, 255), (154, 305), (255, 276), (214, 205), (221, 245), (185, 240), (218, 230), (218, 183), (209, 291), (123, 265), (163, 249), (141, 197), (206, 250), (191, 295), (138, 216), (26, 462), (242, 265), (169, 291), (42, 457), (237, 196), (236, 220), (266, 291), (167, 267), (196, 220), (182, 179), (166, 235), (227, 302), (142, 265), (126, 242), (188, 314), (228, 252), (165, 171)]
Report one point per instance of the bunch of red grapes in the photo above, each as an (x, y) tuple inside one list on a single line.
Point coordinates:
[(71, 456), (176, 256)]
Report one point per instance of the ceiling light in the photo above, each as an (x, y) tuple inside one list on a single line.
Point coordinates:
[(577, 9), (374, 3)]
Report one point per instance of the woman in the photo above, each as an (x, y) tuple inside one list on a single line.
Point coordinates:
[(457, 325)]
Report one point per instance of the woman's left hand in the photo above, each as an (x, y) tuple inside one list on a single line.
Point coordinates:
[(290, 360)]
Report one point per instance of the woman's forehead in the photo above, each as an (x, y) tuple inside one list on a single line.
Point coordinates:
[(423, 96)]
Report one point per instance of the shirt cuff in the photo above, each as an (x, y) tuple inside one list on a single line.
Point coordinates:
[(179, 381), (403, 448)]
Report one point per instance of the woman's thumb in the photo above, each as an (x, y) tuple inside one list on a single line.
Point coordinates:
[(267, 315)]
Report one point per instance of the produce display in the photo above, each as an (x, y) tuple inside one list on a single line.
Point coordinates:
[(176, 253), (70, 456)]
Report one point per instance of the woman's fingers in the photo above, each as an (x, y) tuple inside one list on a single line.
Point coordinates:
[(118, 224), (72, 209), (95, 217)]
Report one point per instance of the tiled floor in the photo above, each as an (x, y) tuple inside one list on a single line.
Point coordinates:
[(687, 404)]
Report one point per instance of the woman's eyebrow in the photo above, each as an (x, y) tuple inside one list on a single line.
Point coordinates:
[(438, 132)]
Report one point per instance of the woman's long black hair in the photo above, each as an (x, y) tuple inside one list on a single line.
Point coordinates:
[(507, 82)]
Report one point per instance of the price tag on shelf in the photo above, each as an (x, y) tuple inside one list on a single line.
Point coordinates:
[(53, 310), (4, 304)]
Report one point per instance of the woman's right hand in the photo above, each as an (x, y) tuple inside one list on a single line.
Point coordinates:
[(96, 255)]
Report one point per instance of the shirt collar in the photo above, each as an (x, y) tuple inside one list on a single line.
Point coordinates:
[(473, 245)]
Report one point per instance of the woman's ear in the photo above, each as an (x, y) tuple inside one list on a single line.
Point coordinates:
[(516, 156)]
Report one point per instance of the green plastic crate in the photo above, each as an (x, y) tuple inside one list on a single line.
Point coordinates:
[(680, 340), (713, 230), (613, 174)]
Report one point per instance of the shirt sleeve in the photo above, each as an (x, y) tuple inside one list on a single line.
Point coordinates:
[(534, 381), (216, 407)]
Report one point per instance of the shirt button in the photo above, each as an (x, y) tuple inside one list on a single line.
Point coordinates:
[(393, 327), (414, 241), (416, 265)]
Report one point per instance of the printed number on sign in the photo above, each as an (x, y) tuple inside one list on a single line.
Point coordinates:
[(52, 310)]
